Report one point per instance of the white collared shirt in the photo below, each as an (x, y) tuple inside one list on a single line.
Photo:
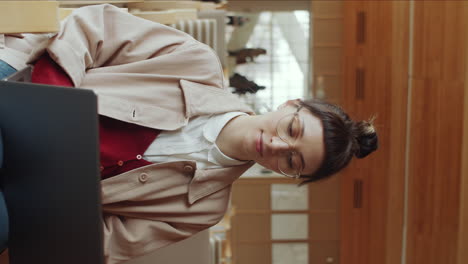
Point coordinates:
[(196, 141)]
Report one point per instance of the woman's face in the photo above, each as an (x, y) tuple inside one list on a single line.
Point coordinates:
[(305, 134)]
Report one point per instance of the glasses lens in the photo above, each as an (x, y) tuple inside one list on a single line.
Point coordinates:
[(288, 128), (290, 164)]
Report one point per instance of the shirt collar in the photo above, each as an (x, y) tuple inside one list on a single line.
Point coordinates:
[(211, 131)]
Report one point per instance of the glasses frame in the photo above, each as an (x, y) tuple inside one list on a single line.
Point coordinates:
[(293, 152)]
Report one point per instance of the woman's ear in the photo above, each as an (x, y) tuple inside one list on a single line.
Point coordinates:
[(289, 103)]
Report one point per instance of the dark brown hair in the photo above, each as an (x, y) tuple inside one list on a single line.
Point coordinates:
[(343, 138)]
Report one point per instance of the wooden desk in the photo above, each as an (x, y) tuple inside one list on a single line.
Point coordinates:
[(167, 16), (82, 3), (28, 16)]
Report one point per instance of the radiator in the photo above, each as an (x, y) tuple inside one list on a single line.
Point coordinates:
[(216, 254), (203, 30), (209, 28)]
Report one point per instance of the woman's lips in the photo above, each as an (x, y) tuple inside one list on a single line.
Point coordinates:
[(259, 144)]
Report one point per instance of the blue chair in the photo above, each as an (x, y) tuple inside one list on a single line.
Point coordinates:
[(3, 209), (3, 223)]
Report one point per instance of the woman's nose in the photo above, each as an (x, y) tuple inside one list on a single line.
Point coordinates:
[(278, 145)]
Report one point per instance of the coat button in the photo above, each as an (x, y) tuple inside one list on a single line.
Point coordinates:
[(188, 168), (138, 157), (143, 177), (120, 163)]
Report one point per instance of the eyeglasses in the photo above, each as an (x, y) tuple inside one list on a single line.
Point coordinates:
[(289, 128)]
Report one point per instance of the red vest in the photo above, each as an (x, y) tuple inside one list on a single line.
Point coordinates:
[(121, 144)]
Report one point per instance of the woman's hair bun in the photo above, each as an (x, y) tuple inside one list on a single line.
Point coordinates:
[(366, 138)]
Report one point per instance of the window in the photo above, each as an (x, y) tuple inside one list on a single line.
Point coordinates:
[(284, 70)]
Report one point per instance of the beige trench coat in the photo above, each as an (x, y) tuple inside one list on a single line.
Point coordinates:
[(151, 75)]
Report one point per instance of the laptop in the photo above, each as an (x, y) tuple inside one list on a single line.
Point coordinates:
[(50, 172)]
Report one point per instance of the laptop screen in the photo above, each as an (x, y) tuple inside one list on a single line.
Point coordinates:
[(50, 173)]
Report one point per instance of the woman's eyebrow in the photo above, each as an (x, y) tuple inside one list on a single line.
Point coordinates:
[(301, 120), (303, 126), (302, 160)]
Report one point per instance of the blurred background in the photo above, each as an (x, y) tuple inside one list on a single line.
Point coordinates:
[(406, 62)]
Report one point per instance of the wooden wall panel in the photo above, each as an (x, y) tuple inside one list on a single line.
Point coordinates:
[(439, 49), (397, 134), (323, 226), (436, 134), (373, 233), (327, 52), (254, 254), (327, 60), (327, 8), (434, 173), (438, 206), (329, 251), (463, 234), (258, 193), (252, 227), (352, 231), (454, 42), (328, 31), (327, 47), (325, 196), (333, 86)]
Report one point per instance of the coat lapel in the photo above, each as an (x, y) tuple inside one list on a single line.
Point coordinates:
[(206, 182), (203, 99)]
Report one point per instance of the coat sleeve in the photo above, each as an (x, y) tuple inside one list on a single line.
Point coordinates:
[(154, 217), (103, 35), (141, 236)]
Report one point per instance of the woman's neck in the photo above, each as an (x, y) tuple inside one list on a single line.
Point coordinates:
[(230, 139)]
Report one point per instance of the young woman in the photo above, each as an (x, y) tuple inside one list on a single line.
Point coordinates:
[(173, 138)]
